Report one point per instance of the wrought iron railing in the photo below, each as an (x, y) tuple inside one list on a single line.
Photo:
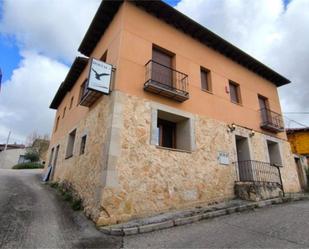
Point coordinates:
[(166, 78), (271, 120), (256, 171)]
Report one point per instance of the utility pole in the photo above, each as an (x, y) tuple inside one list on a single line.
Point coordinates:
[(7, 141)]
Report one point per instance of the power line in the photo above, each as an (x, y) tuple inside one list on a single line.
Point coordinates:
[(296, 112)]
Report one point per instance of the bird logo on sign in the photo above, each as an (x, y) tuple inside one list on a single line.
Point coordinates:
[(98, 75)]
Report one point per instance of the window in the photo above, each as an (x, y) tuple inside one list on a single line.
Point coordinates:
[(274, 153), (205, 80), (167, 133), (263, 102), (172, 130), (161, 68), (234, 92), (71, 102), (70, 146), (57, 123), (104, 56), (64, 110), (83, 89), (51, 157), (83, 145)]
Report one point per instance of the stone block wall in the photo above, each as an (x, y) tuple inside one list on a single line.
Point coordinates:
[(123, 175), (152, 179)]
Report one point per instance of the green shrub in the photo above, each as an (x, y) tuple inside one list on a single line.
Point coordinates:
[(67, 194), (28, 166), (32, 156)]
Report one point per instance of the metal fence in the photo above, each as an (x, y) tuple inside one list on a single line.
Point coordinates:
[(271, 119), (256, 171), (166, 77)]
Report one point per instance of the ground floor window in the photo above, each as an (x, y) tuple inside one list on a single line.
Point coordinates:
[(274, 153), (83, 144), (70, 146), (167, 133), (172, 130)]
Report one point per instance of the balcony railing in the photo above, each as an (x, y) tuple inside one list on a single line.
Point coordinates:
[(271, 121), (256, 171), (88, 97), (166, 81)]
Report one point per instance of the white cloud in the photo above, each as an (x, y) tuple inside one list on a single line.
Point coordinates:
[(270, 32), (54, 28), (25, 98)]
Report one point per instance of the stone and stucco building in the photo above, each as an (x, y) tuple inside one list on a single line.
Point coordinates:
[(188, 115)]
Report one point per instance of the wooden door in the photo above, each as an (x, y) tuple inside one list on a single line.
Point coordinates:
[(162, 73)]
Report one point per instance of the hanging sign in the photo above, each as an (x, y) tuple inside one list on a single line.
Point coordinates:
[(100, 75)]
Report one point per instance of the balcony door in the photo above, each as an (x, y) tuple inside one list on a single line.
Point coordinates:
[(162, 73), (263, 102)]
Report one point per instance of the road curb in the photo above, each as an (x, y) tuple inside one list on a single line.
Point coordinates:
[(206, 213)]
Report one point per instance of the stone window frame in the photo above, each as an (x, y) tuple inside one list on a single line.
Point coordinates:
[(244, 134), (155, 108), (74, 143), (275, 140)]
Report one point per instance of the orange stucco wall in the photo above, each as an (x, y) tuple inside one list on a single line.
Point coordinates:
[(109, 42), (142, 30), (129, 41)]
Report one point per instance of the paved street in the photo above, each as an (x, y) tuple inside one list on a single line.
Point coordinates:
[(283, 226), (33, 216)]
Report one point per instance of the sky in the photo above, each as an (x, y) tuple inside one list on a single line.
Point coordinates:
[(37, 48)]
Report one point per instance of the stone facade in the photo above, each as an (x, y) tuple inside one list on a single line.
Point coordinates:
[(123, 175)]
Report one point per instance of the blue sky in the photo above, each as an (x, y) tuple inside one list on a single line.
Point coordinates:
[(9, 52)]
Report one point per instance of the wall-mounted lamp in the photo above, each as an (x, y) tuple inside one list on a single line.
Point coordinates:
[(252, 133), (231, 127)]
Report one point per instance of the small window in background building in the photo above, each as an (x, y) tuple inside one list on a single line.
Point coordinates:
[(205, 80), (234, 92), (70, 146), (64, 110), (57, 123), (83, 145), (71, 102)]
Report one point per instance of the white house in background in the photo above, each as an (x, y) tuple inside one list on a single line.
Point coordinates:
[(11, 156)]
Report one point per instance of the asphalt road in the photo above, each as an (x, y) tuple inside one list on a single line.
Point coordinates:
[(32, 215), (283, 226)]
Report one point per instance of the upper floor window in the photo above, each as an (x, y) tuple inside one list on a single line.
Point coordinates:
[(104, 56), (57, 123), (234, 92), (71, 102), (161, 69), (263, 102), (64, 110), (83, 89), (205, 80)]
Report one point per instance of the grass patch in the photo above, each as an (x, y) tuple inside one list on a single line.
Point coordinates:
[(67, 195), (28, 166)]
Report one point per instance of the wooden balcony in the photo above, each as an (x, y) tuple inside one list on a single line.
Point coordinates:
[(271, 121), (166, 82)]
